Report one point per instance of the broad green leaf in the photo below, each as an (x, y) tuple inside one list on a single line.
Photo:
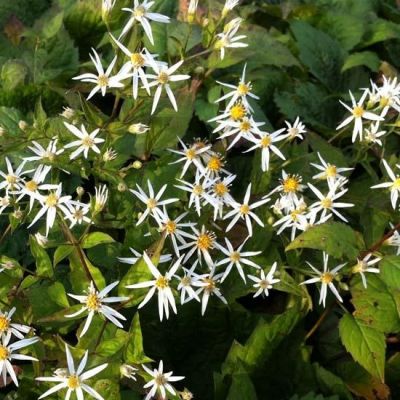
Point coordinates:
[(134, 352), (365, 344), (380, 30), (44, 267), (12, 74), (9, 118), (390, 271), (335, 238), (363, 58), (108, 389), (241, 388), (110, 347), (62, 252), (95, 238), (57, 293)]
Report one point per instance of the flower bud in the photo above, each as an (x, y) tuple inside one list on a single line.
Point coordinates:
[(22, 125), (137, 164)]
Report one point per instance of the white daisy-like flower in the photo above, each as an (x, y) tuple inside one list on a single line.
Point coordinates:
[(326, 277), (87, 141), (327, 204), (239, 92), (202, 242), (329, 172), (77, 214), (214, 165), (50, 203), (264, 282), (152, 202), (210, 289), (190, 155), (295, 131), (228, 38), (365, 265), (100, 198), (388, 94), (7, 327), (229, 6), (102, 79), (141, 13), (12, 179), (44, 154), (107, 6), (394, 185), (235, 257), (159, 284), (74, 379), (221, 193), (162, 78), (8, 355), (188, 281), (245, 211), (97, 302), (290, 186), (265, 141), (373, 134), (358, 114), (128, 371), (160, 382)]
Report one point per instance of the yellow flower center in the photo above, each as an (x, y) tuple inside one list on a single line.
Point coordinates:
[(50, 155), (191, 154), (221, 43), (151, 203), (358, 111), (396, 184), (291, 184), (4, 353), (93, 302), (170, 227), (73, 382), (186, 281), (31, 186), (162, 282), (139, 12), (359, 267), (384, 101), (264, 284), (4, 323), (87, 141), (293, 132), (205, 241), (214, 164), (210, 284), (51, 200), (326, 203), (163, 78), (198, 190), (11, 179), (245, 125), (244, 209), (331, 171), (160, 380), (294, 215), (137, 60), (327, 277), (235, 256), (78, 214), (243, 89), (237, 112), (102, 80), (220, 189), (265, 142)]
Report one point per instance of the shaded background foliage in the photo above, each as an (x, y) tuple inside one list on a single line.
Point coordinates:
[(303, 56)]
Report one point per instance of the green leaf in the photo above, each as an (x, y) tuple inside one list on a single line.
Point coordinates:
[(335, 238), (365, 344), (380, 30), (134, 352), (390, 271), (319, 52), (53, 25), (111, 347), (108, 389), (241, 388), (44, 267), (95, 238), (12, 74), (364, 58), (375, 305), (9, 119), (57, 293), (61, 253)]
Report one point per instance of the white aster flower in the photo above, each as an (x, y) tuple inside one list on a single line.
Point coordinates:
[(228, 38), (264, 282), (74, 379), (209, 289), (295, 131), (329, 172), (189, 280), (141, 13), (8, 328), (239, 92), (358, 114), (107, 6), (327, 204), (394, 185), (77, 214), (7, 355), (236, 258), (290, 186), (326, 277), (44, 154), (162, 79), (128, 371), (229, 6), (152, 202), (365, 265), (12, 179), (102, 79), (214, 165), (100, 199), (265, 141), (97, 302), (160, 382), (221, 194), (85, 143), (388, 95), (245, 211), (373, 134), (159, 284)]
